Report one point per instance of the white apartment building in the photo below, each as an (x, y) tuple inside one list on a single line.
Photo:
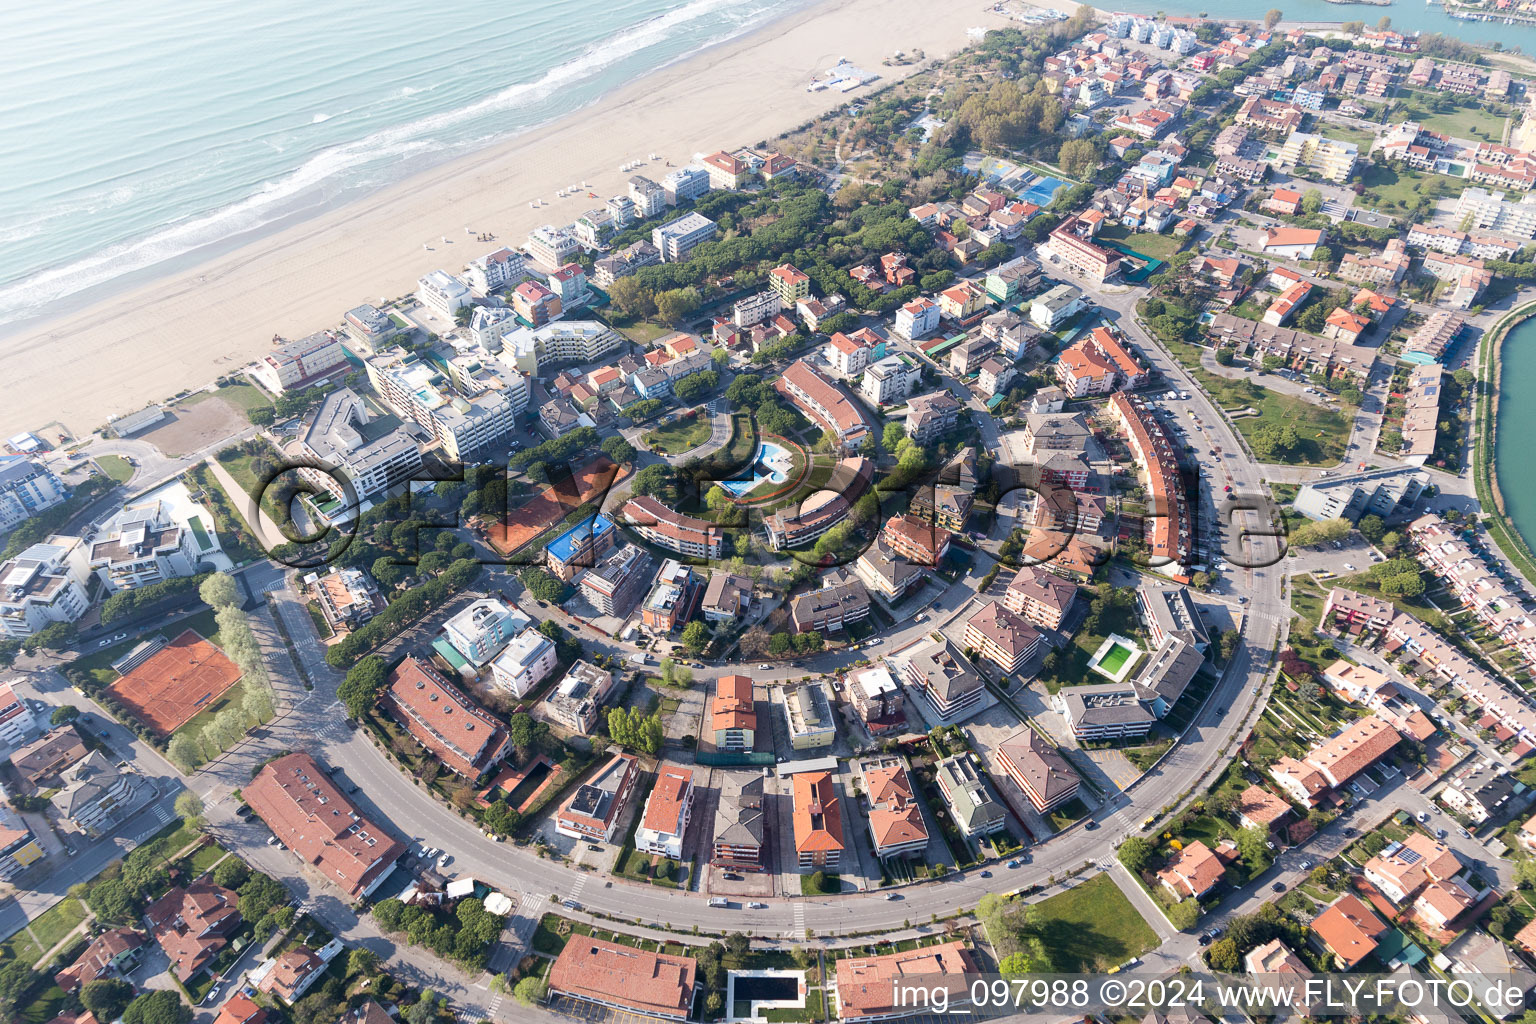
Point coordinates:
[(889, 380), (26, 488), (494, 271), (484, 628), (524, 663), (685, 184), (917, 319), (17, 723), (754, 309), (370, 327), (143, 544), (552, 246), (43, 585), (1492, 212), (461, 424), (1056, 306), (342, 434), (667, 812), (680, 237), (443, 293), (489, 324), (649, 198), (564, 341), (293, 363)]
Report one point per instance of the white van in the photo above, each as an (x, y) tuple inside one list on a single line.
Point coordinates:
[(719, 901)]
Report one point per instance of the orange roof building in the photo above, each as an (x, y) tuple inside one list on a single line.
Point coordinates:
[(1349, 930), (1257, 807), (818, 822), (450, 726), (312, 817), (667, 812), (292, 973), (866, 985), (241, 1009), (896, 823), (1194, 872), (1342, 757), (192, 924), (733, 713), (625, 978), (829, 404)]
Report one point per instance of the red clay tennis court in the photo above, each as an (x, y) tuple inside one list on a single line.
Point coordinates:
[(525, 523), (176, 682)]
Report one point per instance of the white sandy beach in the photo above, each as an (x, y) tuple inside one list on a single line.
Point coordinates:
[(183, 330)]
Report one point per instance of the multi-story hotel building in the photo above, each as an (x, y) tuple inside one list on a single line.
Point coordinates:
[(525, 662), (143, 544), (442, 293), (800, 524), (617, 581), (449, 726), (593, 811), (295, 364), (1070, 241), (44, 584), (463, 425), (1328, 158), (649, 198), (677, 239), (342, 435), (26, 488), (685, 184), (685, 535), (667, 812), (946, 680), (971, 805), (496, 270), (1039, 769), (827, 403), (552, 246)]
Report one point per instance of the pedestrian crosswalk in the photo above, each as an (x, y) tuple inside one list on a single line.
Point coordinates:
[(799, 929), (496, 998), (163, 814), (581, 883)]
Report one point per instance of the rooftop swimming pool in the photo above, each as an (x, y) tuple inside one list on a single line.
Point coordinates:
[(771, 465)]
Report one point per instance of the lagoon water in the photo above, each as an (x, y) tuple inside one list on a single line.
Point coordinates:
[(1516, 429), (137, 132)]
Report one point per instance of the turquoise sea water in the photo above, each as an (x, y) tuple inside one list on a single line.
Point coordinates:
[(138, 132), (1407, 16)]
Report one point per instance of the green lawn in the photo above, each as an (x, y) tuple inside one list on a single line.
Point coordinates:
[(1433, 617), (808, 888), (1346, 133), (244, 397), (115, 466), (1148, 243), (1468, 121), (50, 927), (1307, 600), (1093, 927), (680, 435), (1394, 187), (1323, 432)]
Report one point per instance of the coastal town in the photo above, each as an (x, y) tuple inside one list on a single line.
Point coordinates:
[(1039, 517)]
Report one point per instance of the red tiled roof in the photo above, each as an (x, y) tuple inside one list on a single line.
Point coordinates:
[(1349, 929), (818, 820), (442, 719), (607, 972), (313, 818)]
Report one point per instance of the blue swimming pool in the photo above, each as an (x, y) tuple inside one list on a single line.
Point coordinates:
[(771, 465)]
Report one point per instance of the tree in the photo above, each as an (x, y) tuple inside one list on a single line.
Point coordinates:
[(1078, 157), (64, 714), (618, 449), (1135, 853), (261, 416), (1372, 528), (231, 873), (189, 807), (1223, 955), (737, 944), (1325, 531), (16, 979), (696, 636), (1311, 202), (107, 998), (389, 914), (219, 590), (56, 636), (1183, 914), (530, 991), (677, 303), (360, 690), (1272, 17), (894, 434), (111, 901), (634, 298), (1225, 357), (779, 644), (161, 1007), (1250, 846), (819, 881)]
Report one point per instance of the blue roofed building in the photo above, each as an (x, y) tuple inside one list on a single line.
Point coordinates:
[(581, 547)]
